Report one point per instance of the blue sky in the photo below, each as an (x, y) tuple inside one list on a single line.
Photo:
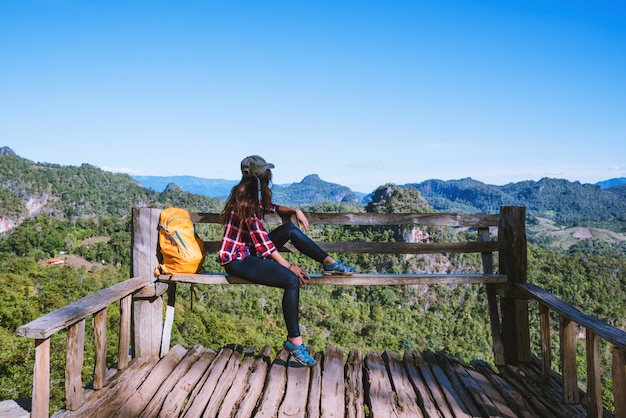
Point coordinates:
[(360, 92)]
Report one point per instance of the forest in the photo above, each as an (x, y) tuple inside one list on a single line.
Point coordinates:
[(92, 223)]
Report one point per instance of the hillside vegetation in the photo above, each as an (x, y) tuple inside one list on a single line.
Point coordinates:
[(84, 212)]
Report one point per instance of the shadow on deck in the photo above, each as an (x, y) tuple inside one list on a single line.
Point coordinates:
[(233, 383)]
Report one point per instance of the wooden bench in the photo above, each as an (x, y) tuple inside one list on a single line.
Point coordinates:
[(502, 233), (481, 222)]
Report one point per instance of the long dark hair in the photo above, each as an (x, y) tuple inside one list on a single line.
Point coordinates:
[(244, 197)]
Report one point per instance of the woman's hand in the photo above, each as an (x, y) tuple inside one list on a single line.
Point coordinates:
[(303, 222), (301, 273)]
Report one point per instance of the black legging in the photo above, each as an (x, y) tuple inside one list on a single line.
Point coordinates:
[(267, 272)]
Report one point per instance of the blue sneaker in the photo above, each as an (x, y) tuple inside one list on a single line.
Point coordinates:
[(338, 269), (300, 354)]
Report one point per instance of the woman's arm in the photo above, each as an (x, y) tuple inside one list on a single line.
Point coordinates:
[(301, 219)]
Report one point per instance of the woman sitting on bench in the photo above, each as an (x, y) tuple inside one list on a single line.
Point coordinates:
[(250, 252)]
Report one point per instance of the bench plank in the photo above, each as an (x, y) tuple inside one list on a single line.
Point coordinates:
[(354, 280), (355, 247), (376, 219)]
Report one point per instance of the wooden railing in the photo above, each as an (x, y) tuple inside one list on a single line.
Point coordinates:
[(144, 332), (569, 318), (72, 318)]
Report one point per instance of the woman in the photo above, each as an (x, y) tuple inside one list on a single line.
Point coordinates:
[(250, 252)]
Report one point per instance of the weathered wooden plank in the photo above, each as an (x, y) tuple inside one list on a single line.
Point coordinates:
[(429, 378), (74, 359), (381, 394), (138, 399), (513, 261), (315, 388), (144, 242), (479, 404), (147, 320), (274, 387), (554, 392), (593, 400), (46, 325), (200, 398), (611, 334), (123, 355), (568, 361), (406, 397), (100, 344), (294, 403), (486, 388), (536, 399), (510, 394), (255, 383), (354, 280), (223, 384), (169, 318), (174, 401), (333, 384), (546, 345), (442, 362), (116, 393), (355, 392), (425, 399), (238, 386), (354, 247), (41, 379), (618, 368), (492, 302), (452, 397), (375, 219), (153, 407)]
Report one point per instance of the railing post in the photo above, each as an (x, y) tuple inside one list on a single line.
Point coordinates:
[(594, 382), (492, 303), (41, 379), (546, 347), (568, 361), (619, 382), (147, 303), (74, 360), (513, 258)]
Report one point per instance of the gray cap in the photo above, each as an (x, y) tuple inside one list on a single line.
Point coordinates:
[(254, 166)]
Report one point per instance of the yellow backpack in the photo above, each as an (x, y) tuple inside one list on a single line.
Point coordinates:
[(182, 250)]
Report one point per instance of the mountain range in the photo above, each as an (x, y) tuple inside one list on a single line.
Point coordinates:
[(561, 201), (28, 189), (220, 188)]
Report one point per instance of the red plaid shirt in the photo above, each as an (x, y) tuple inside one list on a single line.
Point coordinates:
[(240, 235)]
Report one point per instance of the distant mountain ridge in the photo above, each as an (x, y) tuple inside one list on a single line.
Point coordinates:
[(208, 187), (611, 182), (28, 188), (311, 190)]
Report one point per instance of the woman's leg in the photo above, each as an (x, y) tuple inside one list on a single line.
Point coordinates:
[(267, 272), (290, 232)]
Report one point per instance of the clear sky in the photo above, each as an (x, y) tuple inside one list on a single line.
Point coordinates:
[(361, 93)]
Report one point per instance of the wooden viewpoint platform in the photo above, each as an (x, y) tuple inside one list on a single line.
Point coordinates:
[(232, 382), (160, 380)]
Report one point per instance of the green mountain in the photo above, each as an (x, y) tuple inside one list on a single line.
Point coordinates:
[(208, 187), (557, 209), (28, 189), (565, 203), (313, 190), (310, 191)]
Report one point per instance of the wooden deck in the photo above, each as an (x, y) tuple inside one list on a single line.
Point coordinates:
[(236, 383)]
